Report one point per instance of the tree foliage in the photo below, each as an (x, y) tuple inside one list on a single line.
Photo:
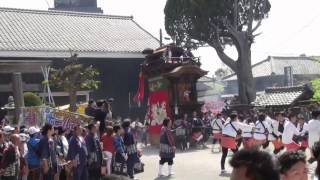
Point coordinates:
[(214, 22), (217, 23), (74, 77), (31, 99), (316, 89), (316, 84)]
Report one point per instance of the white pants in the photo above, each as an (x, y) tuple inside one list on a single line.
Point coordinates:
[(108, 156)]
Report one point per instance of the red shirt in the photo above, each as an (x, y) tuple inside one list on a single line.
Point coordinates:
[(107, 142)]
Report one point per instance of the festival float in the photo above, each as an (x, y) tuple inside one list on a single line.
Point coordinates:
[(171, 73)]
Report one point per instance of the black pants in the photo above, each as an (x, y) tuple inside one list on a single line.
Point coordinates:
[(130, 166), (224, 156), (166, 160), (94, 173)]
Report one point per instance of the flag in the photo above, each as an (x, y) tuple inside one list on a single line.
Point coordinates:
[(138, 98)]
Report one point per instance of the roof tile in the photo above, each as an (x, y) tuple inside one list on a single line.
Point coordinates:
[(34, 30)]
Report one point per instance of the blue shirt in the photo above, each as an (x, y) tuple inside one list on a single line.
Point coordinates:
[(32, 156), (118, 144)]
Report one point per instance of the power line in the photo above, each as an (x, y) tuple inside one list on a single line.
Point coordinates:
[(294, 35)]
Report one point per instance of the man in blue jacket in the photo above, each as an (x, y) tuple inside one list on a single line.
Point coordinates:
[(33, 155)]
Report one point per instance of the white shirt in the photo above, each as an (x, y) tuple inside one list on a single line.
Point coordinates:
[(304, 128), (248, 134), (289, 131), (274, 126), (313, 129), (217, 125), (230, 131), (261, 129)]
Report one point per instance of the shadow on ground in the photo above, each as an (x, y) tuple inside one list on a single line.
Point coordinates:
[(225, 175), (164, 178)]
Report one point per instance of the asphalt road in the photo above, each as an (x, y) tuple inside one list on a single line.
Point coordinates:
[(199, 164)]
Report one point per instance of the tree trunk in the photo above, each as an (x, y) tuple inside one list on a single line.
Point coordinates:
[(73, 100), (246, 84)]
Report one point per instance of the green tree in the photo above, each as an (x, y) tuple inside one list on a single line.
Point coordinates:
[(218, 23), (316, 89), (74, 77), (31, 99), (316, 84)]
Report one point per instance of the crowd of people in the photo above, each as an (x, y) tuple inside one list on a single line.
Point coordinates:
[(87, 151), (106, 147), (54, 153), (291, 135)]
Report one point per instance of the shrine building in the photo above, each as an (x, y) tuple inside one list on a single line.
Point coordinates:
[(31, 39)]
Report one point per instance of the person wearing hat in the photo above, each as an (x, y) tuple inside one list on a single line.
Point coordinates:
[(7, 130), (33, 155), (23, 149)]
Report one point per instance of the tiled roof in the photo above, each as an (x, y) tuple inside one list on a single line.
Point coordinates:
[(275, 65), (279, 96), (33, 33)]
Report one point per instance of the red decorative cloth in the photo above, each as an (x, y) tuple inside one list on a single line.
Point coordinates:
[(140, 92), (158, 105)]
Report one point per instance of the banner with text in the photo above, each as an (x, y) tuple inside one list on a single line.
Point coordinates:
[(38, 116)]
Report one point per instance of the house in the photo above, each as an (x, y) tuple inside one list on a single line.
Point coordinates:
[(277, 71), (281, 98), (30, 39)]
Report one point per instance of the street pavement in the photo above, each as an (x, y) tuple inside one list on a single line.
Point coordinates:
[(199, 164)]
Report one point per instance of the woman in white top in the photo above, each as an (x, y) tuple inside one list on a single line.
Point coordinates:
[(231, 130), (262, 129), (290, 130)]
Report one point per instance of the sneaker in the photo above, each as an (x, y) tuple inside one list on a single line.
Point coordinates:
[(160, 175)]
